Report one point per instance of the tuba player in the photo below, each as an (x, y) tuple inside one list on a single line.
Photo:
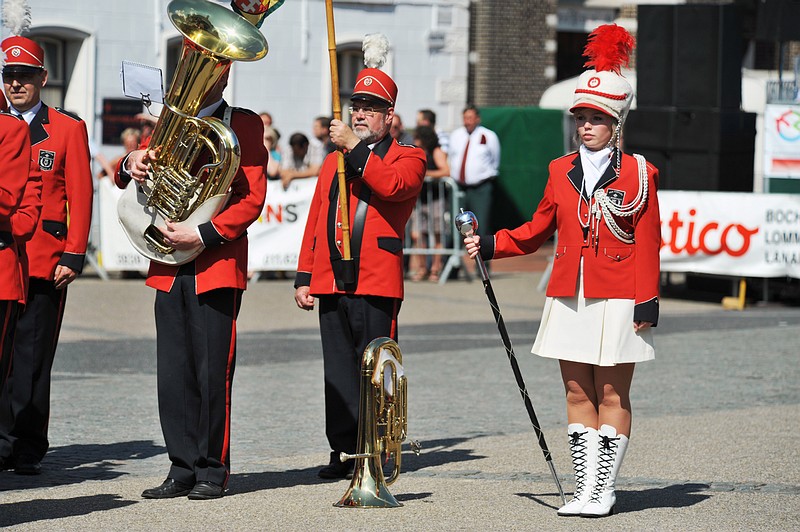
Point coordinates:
[(196, 308)]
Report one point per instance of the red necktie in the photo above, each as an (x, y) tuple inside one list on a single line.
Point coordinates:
[(462, 177)]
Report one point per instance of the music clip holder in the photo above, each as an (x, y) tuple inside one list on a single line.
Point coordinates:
[(142, 82)]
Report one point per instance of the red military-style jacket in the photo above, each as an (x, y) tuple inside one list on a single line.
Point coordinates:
[(383, 186), (15, 158), (25, 220), (612, 269), (60, 147), (223, 262)]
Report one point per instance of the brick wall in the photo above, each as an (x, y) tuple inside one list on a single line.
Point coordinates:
[(513, 56)]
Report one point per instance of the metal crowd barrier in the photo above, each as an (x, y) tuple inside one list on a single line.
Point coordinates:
[(433, 215)]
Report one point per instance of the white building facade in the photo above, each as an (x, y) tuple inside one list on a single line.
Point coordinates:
[(86, 42)]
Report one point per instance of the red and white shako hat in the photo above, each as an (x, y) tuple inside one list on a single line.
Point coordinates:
[(371, 83), (603, 87), (21, 53)]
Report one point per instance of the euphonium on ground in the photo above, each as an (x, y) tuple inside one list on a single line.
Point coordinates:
[(183, 185), (382, 427)]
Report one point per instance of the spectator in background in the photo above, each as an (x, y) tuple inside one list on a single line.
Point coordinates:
[(147, 124), (130, 139), (398, 133), (426, 117), (298, 164), (266, 118), (321, 144), (427, 220), (475, 161), (271, 138)]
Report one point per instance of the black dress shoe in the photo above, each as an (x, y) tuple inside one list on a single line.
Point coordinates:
[(6, 463), (27, 465), (167, 490), (204, 490), (336, 470)]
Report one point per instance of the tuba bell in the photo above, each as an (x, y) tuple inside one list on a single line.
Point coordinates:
[(382, 427), (182, 185)]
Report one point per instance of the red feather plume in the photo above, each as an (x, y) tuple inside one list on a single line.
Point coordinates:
[(608, 48)]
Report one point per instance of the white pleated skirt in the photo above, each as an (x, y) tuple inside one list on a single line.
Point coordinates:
[(592, 331)]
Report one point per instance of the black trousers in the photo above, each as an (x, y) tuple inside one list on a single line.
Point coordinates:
[(25, 400), (196, 357), (9, 313), (347, 325)]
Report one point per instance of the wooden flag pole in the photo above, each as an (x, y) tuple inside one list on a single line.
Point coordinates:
[(337, 114)]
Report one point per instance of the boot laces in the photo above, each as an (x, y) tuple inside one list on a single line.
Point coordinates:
[(605, 459), (577, 445)]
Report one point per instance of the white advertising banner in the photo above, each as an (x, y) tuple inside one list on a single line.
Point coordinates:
[(116, 252), (719, 233), (274, 239), (276, 236), (782, 141), (730, 233)]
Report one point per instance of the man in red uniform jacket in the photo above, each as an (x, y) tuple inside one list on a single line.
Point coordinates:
[(384, 179), (15, 150), (56, 252), (196, 308), (15, 146)]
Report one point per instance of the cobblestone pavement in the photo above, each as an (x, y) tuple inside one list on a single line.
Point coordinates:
[(713, 446)]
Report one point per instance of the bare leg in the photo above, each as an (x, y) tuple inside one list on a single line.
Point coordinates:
[(612, 388), (579, 384), (416, 265)]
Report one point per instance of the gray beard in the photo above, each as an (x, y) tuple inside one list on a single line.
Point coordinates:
[(368, 136), (371, 136)]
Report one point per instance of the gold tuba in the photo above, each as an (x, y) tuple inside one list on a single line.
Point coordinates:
[(382, 426), (180, 187)]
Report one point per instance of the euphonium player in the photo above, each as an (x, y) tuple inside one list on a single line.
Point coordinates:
[(384, 179), (602, 297), (195, 310)]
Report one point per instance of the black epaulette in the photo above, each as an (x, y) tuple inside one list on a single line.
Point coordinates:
[(406, 145), (243, 110), (69, 114), (12, 115)]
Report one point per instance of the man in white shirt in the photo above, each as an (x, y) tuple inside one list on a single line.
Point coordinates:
[(474, 154)]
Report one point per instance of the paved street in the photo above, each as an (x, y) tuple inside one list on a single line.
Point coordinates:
[(714, 443)]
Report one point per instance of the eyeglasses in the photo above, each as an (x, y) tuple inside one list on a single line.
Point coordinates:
[(368, 111), (22, 77)]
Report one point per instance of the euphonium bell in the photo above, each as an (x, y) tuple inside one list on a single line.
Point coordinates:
[(382, 426), (197, 158)]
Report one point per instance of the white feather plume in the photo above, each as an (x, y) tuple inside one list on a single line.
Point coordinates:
[(16, 16), (376, 49)]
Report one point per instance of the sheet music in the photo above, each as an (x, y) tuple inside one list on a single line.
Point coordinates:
[(142, 82)]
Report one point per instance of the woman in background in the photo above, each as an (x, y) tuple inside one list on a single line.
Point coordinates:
[(426, 220)]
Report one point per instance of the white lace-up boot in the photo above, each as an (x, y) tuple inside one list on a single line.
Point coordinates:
[(611, 450), (583, 448)]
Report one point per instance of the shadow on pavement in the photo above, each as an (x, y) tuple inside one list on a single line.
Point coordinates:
[(535, 497), (434, 453), (675, 496), (72, 464), (437, 452), (18, 513)]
